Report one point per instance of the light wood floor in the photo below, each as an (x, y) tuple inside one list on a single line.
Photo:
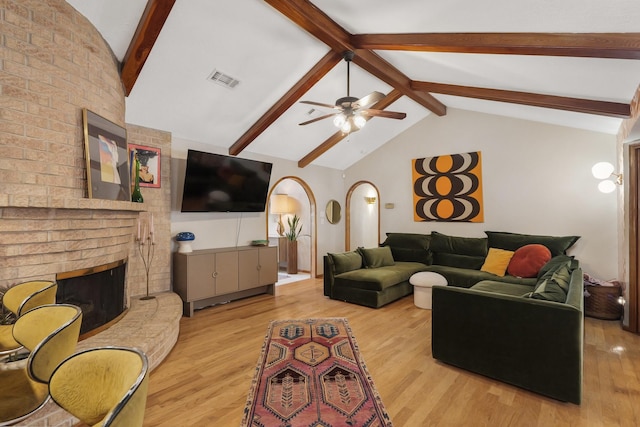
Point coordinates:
[(205, 379)]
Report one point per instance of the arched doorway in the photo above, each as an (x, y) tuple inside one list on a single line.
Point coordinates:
[(302, 202), (362, 216)]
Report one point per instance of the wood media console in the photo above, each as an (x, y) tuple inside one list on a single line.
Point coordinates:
[(211, 276)]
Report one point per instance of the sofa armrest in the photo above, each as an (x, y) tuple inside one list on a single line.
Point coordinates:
[(328, 278), (529, 343)]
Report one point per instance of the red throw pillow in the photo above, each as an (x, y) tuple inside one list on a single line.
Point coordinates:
[(528, 260)]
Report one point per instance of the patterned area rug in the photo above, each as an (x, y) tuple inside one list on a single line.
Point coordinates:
[(310, 373)]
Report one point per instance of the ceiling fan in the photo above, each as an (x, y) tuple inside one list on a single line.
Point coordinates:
[(353, 112)]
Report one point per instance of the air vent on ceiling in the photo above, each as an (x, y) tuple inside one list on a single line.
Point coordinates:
[(223, 79)]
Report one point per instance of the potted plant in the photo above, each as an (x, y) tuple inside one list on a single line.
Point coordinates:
[(295, 228)]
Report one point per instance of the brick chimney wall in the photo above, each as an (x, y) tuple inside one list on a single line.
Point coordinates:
[(54, 63)]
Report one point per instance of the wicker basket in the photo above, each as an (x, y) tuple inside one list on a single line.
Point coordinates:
[(601, 302)]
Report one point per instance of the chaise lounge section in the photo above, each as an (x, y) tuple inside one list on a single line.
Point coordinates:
[(369, 277)]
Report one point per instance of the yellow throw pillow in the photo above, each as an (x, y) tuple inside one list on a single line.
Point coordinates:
[(497, 261)]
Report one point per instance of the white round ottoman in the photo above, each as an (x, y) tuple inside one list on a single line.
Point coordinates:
[(422, 283)]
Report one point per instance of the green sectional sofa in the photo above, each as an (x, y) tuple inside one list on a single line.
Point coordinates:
[(526, 331), (348, 276)]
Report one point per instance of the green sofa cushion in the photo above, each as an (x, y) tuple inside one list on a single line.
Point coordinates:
[(554, 284), (458, 261), (454, 251), (549, 290), (465, 278), (556, 262), (378, 279), (410, 247), (377, 257), (346, 261), (512, 241), (515, 289)]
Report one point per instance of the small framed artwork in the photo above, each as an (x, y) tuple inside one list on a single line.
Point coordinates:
[(149, 158), (105, 148)]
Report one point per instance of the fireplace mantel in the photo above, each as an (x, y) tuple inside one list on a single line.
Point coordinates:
[(26, 201)]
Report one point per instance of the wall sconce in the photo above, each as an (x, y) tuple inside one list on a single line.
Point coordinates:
[(279, 206), (604, 171), (370, 200)]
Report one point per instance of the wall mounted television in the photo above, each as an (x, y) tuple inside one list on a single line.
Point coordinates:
[(219, 183)]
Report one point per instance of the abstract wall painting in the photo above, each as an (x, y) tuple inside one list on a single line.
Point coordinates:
[(149, 158), (448, 188), (107, 161)]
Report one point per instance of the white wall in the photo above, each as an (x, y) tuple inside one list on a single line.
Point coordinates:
[(536, 179), (218, 230), (363, 230)]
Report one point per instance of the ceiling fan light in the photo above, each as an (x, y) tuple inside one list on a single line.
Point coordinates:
[(359, 121), (339, 120), (346, 126)]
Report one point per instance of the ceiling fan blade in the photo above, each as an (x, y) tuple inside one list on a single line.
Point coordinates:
[(367, 100), (383, 113), (320, 104), (317, 119)]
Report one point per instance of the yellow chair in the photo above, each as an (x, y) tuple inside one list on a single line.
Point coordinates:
[(50, 333), (104, 386), (19, 299)]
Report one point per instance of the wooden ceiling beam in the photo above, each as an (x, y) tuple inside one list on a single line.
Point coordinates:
[(300, 88), (377, 66), (153, 18), (306, 15), (589, 45), (392, 97), (602, 108)]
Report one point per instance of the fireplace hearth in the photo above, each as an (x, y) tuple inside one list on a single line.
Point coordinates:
[(98, 291)]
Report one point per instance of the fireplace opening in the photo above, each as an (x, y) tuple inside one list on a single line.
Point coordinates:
[(98, 291)]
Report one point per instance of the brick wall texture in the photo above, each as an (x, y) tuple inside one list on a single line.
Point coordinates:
[(54, 63)]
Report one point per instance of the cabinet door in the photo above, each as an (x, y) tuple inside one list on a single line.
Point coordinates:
[(248, 274), (200, 278), (226, 272), (268, 266)]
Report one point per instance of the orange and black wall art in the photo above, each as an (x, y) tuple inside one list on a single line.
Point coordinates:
[(448, 188)]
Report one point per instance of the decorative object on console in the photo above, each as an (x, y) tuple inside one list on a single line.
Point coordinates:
[(149, 159), (146, 237), (279, 206), (310, 372), (184, 240), (105, 148), (604, 171), (448, 188)]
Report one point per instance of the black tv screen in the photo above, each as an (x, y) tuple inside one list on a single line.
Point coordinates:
[(218, 183)]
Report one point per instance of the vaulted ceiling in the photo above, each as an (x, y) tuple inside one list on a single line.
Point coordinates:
[(573, 63)]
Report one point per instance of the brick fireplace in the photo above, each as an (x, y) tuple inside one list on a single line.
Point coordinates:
[(54, 63)]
